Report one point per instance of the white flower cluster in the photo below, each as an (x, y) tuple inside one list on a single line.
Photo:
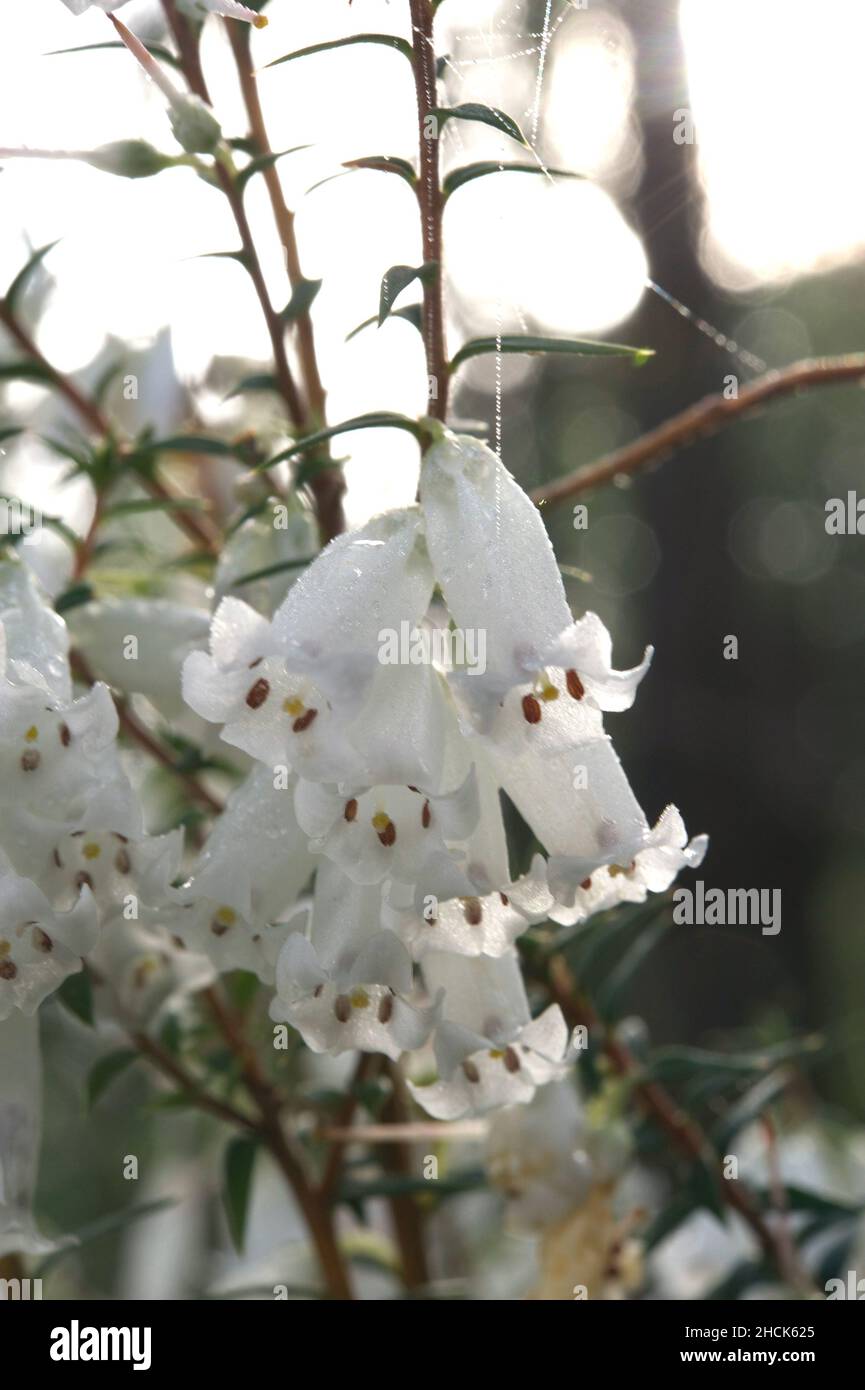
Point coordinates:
[(388, 777), (381, 780)]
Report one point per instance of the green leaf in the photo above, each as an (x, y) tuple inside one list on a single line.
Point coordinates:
[(754, 1103), (26, 371), (457, 177), (281, 567), (10, 432), (385, 164), (258, 381), (155, 504), (184, 444), (302, 298), (106, 1070), (163, 54), (398, 1185), (238, 1167), (527, 343), (76, 995), (488, 115), (397, 279), (73, 598), (262, 162), (104, 1226), (617, 983), (388, 40), (382, 419), (19, 284), (412, 313)]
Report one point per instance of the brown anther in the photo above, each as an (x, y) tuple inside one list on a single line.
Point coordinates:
[(531, 710), (83, 880), (218, 928), (472, 911), (257, 662), (426, 816), (124, 839), (575, 685), (65, 735), (56, 857), (388, 835), (304, 721), (342, 1008), (587, 882), (415, 789), (30, 759), (316, 993), (350, 809), (470, 1071), (258, 693), (42, 941), (505, 899), (122, 862), (385, 1008), (8, 969), (512, 1061)]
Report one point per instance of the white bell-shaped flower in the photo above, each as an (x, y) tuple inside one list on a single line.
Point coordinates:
[(349, 984), (488, 1048), (39, 947), (498, 572), (250, 873)]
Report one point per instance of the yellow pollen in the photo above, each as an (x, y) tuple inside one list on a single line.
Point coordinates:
[(496, 1053), (359, 999), (91, 851), (549, 692), (260, 22), (226, 917), (380, 821), (294, 707), (5, 948), (32, 734)]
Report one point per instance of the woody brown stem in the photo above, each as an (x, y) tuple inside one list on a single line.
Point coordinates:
[(429, 194)]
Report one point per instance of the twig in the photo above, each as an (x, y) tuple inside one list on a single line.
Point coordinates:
[(704, 418), (99, 424), (317, 1212), (685, 1133), (429, 195), (328, 485), (407, 1216), (140, 734), (202, 1100), (343, 1133)]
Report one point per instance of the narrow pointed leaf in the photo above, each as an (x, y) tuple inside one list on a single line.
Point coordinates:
[(106, 1070), (262, 162), (302, 298), (385, 164), (412, 313), (487, 115), (528, 344), (19, 284), (26, 371), (239, 1164), (281, 567), (397, 279), (259, 381), (154, 49), (387, 40), (383, 419), (466, 172)]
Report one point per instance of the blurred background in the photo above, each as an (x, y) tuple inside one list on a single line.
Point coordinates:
[(721, 223)]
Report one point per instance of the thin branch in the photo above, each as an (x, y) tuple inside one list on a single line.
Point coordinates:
[(707, 416), (429, 195), (684, 1132), (343, 1132), (200, 1098), (140, 734), (327, 486), (316, 1211), (407, 1216), (98, 423)]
